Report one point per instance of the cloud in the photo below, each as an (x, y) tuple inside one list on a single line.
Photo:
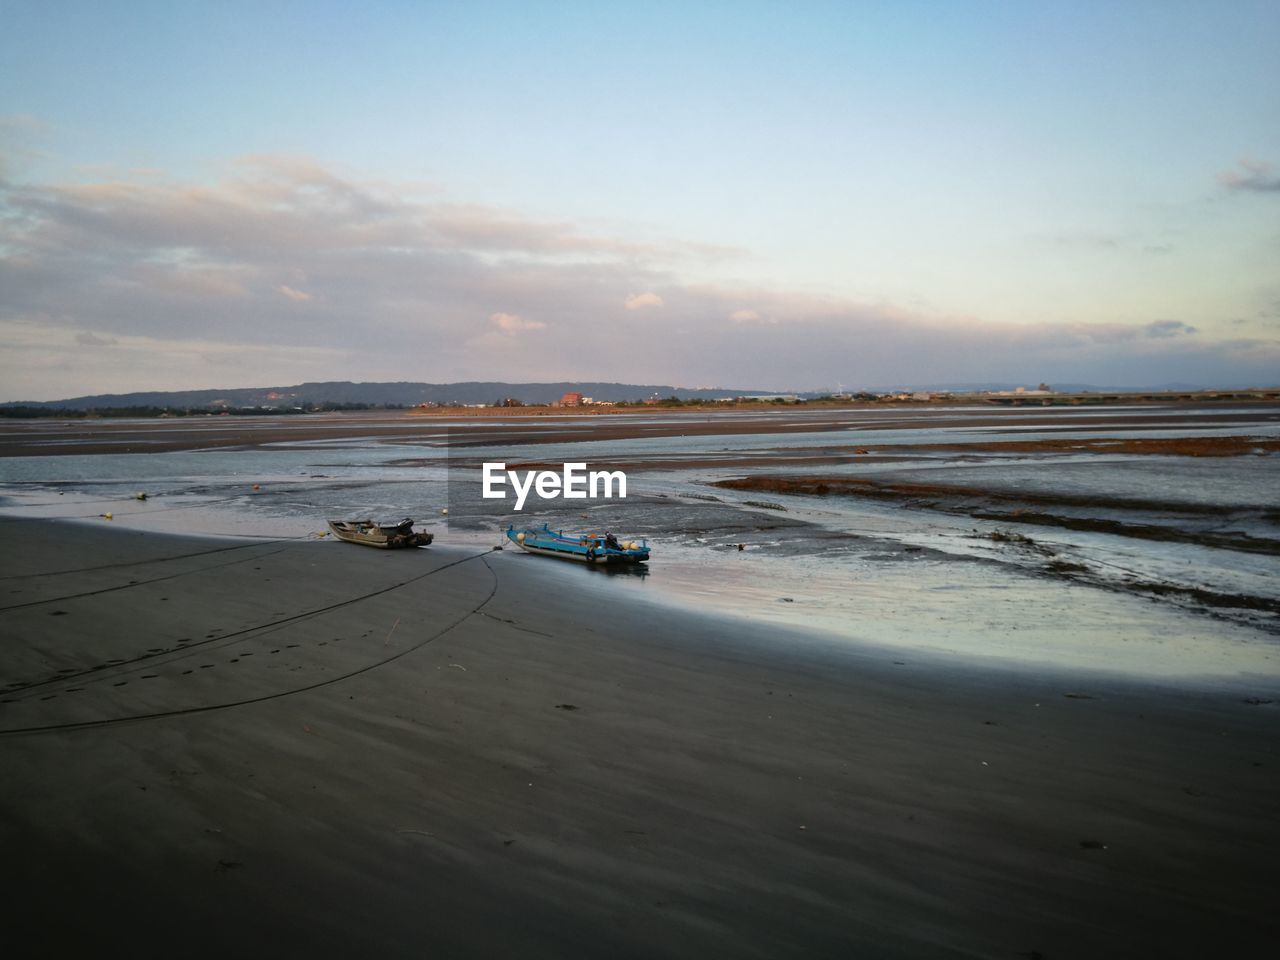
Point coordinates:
[(642, 300), (1086, 243), (37, 366), (1168, 328), (511, 323), (93, 340), (1253, 176), (187, 279), (1084, 240)]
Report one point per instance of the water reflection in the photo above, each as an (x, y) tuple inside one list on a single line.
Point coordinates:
[(1140, 562)]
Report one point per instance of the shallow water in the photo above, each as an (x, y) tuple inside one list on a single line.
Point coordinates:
[(1148, 565)]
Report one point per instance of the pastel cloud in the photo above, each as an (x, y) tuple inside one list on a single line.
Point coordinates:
[(1168, 328), (186, 278), (511, 323), (1252, 176), (54, 364), (642, 300), (87, 339)]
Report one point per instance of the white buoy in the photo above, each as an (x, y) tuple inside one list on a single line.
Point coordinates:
[(520, 537), (445, 511)]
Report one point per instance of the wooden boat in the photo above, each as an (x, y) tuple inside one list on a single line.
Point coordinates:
[(584, 547), (385, 536)]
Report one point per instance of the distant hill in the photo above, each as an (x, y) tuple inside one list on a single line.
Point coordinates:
[(342, 392)]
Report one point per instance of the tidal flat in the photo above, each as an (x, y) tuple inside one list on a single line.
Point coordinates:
[(888, 688), (1094, 537)]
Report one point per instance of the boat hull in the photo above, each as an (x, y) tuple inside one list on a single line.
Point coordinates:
[(580, 549), (579, 557), (380, 536)]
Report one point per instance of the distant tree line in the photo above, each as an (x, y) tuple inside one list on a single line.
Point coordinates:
[(29, 412)]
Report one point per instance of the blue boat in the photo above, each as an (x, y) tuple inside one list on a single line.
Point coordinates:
[(584, 547)]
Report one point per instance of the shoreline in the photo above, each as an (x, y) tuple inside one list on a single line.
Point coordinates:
[(495, 426), (977, 546), (491, 755)]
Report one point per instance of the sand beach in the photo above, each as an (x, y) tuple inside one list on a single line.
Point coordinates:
[(305, 748)]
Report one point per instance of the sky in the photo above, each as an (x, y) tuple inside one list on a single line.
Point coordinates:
[(797, 195)]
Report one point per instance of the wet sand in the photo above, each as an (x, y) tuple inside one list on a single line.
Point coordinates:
[(491, 427), (309, 748), (1161, 446), (831, 455), (970, 500), (1181, 522)]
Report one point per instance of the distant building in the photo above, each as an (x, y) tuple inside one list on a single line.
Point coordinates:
[(1019, 392), (570, 400)]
